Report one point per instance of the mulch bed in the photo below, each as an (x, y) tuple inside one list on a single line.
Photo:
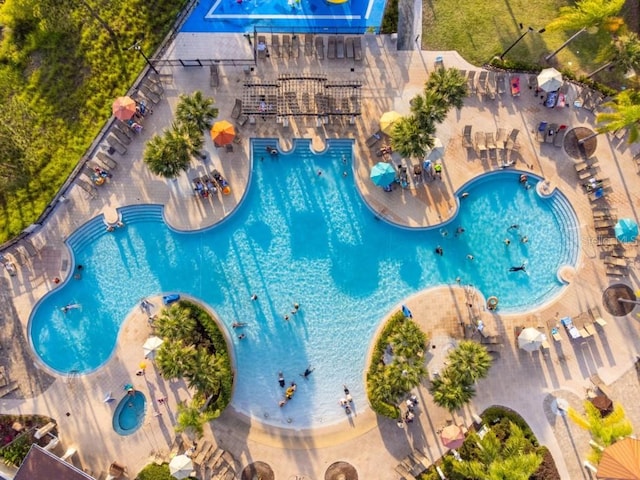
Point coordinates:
[(610, 300), (257, 470), (577, 150), (341, 471)]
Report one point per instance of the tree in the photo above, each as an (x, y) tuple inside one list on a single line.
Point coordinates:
[(174, 359), (178, 323), (429, 108), (450, 391), (625, 54), (449, 85), (171, 153), (625, 113), (514, 458), (471, 360), (191, 418), (583, 15), (196, 110), (410, 138)]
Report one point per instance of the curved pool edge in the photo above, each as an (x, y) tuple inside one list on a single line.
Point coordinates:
[(136, 397)]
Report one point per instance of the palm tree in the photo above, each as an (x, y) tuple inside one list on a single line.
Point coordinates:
[(196, 110), (582, 16), (171, 153), (408, 341), (471, 360), (410, 138), (203, 375), (174, 359), (513, 458), (429, 108), (625, 114), (449, 391), (626, 54), (191, 419), (450, 85), (178, 323)]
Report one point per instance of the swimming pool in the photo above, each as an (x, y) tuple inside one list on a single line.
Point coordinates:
[(129, 414), (292, 16), (300, 237)]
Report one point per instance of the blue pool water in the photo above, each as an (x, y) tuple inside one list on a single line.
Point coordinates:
[(293, 16), (129, 414), (308, 239)]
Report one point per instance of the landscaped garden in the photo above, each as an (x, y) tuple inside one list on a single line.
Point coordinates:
[(17, 436)]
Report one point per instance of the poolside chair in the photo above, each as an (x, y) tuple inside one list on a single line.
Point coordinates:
[(515, 85), (275, 45), (373, 139), (349, 47), (154, 87), (214, 75), (512, 143), (550, 133), (599, 194), (237, 109), (558, 141), (600, 385), (116, 144), (501, 84), (481, 145), (124, 139), (471, 81), (491, 146), (87, 187), (607, 223), (308, 45), (286, 46), (467, 141), (482, 82), (105, 159), (501, 138), (320, 47), (357, 49), (261, 47), (331, 49), (532, 81), (339, 46), (295, 46), (146, 91), (154, 77), (122, 128), (490, 86), (30, 248), (597, 316), (439, 62), (615, 271)]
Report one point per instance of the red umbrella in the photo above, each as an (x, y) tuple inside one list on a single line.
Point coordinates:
[(123, 108), (452, 436)]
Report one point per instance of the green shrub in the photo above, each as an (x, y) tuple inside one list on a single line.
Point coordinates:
[(498, 418), (155, 472)]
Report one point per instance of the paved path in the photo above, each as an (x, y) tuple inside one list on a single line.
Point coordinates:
[(373, 445)]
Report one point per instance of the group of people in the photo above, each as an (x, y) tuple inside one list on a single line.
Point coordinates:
[(204, 187), (294, 311), (347, 400), (291, 389)]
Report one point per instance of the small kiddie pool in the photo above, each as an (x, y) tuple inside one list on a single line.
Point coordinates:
[(129, 414)]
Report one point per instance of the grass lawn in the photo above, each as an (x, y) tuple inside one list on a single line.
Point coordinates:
[(482, 29)]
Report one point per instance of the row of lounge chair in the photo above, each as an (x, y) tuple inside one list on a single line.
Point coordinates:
[(581, 327), (338, 46), (489, 84), (489, 143), (551, 133)]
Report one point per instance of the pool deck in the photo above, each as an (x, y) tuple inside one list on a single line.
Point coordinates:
[(375, 446)]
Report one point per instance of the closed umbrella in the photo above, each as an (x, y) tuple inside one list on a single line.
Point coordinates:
[(222, 133), (123, 108), (626, 230), (436, 152), (452, 436), (151, 345), (387, 120), (530, 339), (550, 80), (180, 466), (383, 174)]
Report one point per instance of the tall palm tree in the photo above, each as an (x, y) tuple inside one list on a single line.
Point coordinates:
[(625, 114), (429, 108), (197, 110), (450, 85), (471, 360), (178, 323), (203, 375), (450, 391), (582, 16), (409, 341), (626, 54), (174, 359), (410, 138), (512, 459), (170, 154), (191, 419)]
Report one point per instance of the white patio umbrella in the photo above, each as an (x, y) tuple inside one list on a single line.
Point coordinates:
[(180, 466), (530, 339), (151, 345), (436, 152), (550, 80)]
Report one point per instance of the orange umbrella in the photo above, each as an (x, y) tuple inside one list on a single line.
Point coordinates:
[(222, 133), (123, 108)]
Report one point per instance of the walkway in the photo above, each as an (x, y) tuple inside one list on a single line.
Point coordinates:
[(518, 380)]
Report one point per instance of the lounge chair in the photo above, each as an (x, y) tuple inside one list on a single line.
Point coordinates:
[(87, 187), (237, 109), (124, 139), (467, 141), (275, 45), (221, 181), (481, 143), (515, 86), (606, 223), (331, 49), (558, 141), (555, 334), (490, 86), (501, 138), (154, 87), (597, 316), (30, 248), (114, 143), (154, 77), (108, 162), (295, 46), (349, 47), (373, 139), (491, 146), (532, 81), (357, 49), (146, 91), (340, 46), (550, 133), (607, 242), (501, 84), (261, 47), (616, 271), (320, 47), (122, 128), (308, 45), (599, 194), (286, 46), (439, 62), (482, 82), (597, 382), (214, 75), (471, 81)]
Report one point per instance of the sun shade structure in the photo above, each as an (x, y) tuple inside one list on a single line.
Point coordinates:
[(222, 133), (180, 467), (123, 108), (531, 339), (620, 461), (383, 174), (388, 120), (550, 80), (151, 345), (626, 230), (436, 152), (452, 436)]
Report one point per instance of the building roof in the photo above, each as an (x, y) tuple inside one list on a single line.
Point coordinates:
[(40, 464)]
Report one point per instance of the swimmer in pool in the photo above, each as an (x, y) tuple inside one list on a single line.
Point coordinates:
[(281, 379), (521, 268)]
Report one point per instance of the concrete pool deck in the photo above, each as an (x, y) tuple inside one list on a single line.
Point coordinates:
[(521, 381)]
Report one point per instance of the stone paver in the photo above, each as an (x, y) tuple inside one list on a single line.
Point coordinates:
[(373, 445)]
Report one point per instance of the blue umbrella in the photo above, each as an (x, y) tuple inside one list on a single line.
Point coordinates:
[(383, 174), (626, 230)]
